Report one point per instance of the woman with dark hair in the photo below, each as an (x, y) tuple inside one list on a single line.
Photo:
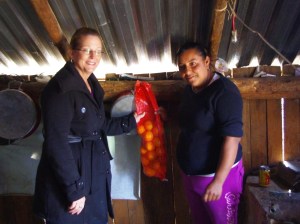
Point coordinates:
[(73, 179), (209, 151)]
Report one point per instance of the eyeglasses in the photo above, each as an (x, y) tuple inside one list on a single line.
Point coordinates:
[(88, 51)]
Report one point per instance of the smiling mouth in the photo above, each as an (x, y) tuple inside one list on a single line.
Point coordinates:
[(91, 63), (190, 78)]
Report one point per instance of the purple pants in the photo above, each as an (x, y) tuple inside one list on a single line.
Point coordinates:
[(222, 211)]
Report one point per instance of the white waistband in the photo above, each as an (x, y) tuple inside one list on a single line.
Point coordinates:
[(213, 174)]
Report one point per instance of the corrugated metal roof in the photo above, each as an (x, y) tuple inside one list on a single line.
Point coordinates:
[(145, 34), (276, 20)]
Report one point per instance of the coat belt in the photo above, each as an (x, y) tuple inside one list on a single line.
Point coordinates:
[(78, 139)]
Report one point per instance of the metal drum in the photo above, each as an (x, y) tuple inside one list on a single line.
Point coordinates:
[(18, 114), (124, 105)]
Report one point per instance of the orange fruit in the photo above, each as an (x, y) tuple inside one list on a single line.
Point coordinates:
[(148, 125), (145, 161), (149, 172), (155, 131), (143, 150), (140, 129), (149, 146), (156, 165), (160, 151), (148, 136), (151, 155), (156, 142)]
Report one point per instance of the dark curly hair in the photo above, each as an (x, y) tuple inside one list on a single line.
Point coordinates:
[(192, 45)]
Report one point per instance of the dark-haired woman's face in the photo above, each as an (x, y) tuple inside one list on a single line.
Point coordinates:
[(194, 68)]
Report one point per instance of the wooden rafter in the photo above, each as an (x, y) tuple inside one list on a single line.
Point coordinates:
[(52, 26)]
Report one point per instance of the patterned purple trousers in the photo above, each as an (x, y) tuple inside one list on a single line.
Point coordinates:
[(222, 211)]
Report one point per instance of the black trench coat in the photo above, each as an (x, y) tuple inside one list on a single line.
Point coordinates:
[(75, 160)]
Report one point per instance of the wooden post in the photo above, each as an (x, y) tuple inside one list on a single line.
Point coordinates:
[(218, 23)]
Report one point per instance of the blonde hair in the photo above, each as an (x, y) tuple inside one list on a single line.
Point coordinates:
[(81, 32)]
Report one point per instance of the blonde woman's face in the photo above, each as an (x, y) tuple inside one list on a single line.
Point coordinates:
[(87, 56)]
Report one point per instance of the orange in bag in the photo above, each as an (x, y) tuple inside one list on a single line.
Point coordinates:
[(150, 129)]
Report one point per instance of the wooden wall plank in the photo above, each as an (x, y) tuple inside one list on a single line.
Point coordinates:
[(292, 129), (246, 143), (157, 195), (158, 199), (136, 212), (128, 212), (121, 211), (17, 209), (258, 133), (274, 130), (6, 210), (181, 207)]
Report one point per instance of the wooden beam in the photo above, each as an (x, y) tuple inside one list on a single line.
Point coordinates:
[(47, 17), (217, 29), (164, 90), (170, 90), (250, 88), (269, 88)]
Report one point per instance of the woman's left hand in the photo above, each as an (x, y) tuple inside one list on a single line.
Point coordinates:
[(162, 112), (213, 191), (77, 206)]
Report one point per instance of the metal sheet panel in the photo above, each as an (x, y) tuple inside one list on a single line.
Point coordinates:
[(139, 32), (125, 167), (19, 162)]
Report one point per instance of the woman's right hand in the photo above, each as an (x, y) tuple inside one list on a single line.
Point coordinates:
[(213, 191), (77, 206), (138, 117)]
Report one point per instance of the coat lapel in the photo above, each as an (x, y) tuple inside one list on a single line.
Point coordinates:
[(70, 80)]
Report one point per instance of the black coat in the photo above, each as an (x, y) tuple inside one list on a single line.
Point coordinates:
[(70, 169)]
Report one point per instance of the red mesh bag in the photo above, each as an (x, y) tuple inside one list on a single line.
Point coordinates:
[(150, 128)]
